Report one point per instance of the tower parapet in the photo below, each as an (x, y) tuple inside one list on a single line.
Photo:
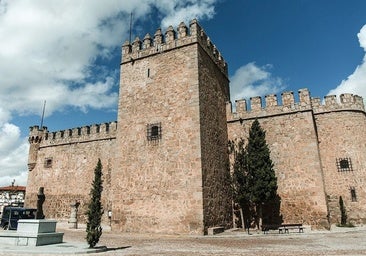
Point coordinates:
[(104, 131), (172, 39), (36, 136), (306, 103)]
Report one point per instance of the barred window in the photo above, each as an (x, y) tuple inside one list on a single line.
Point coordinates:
[(154, 132), (353, 194), (344, 164), (48, 162)]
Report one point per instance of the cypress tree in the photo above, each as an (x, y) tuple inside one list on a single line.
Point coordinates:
[(95, 209), (262, 181)]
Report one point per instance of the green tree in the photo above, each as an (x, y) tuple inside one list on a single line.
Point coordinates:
[(262, 181), (343, 212), (255, 178), (95, 209)]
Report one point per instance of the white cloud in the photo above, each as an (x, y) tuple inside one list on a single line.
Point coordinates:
[(178, 11), (13, 152), (356, 82), (251, 80), (13, 155), (4, 115), (49, 49)]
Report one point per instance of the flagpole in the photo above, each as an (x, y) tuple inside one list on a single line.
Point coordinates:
[(131, 28), (44, 107)]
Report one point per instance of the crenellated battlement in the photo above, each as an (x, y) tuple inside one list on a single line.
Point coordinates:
[(172, 39), (347, 101), (36, 134), (256, 107), (102, 131)]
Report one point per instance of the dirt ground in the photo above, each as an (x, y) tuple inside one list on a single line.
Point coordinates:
[(339, 241)]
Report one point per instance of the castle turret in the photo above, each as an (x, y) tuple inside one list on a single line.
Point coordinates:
[(35, 139)]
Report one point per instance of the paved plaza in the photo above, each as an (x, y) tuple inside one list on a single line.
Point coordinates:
[(339, 241)]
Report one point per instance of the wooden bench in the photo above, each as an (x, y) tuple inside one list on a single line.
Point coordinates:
[(287, 227), (267, 227), (282, 228)]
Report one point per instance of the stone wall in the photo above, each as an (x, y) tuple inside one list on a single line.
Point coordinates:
[(306, 140), (293, 144), (214, 93), (65, 168)]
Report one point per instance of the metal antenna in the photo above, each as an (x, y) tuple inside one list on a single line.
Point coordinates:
[(131, 28), (44, 107)]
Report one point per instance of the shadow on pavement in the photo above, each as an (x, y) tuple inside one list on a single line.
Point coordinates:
[(117, 248)]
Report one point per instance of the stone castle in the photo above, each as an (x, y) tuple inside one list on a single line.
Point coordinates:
[(166, 166)]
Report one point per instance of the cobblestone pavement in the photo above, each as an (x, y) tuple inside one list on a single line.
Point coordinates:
[(336, 242)]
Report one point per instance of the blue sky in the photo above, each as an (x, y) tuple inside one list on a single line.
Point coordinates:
[(68, 53)]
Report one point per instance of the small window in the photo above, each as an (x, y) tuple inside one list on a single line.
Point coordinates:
[(154, 132), (353, 194), (48, 162), (344, 164), (79, 131), (148, 72)]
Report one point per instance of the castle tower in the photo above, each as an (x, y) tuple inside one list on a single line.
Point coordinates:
[(171, 172), (341, 125), (34, 139)]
